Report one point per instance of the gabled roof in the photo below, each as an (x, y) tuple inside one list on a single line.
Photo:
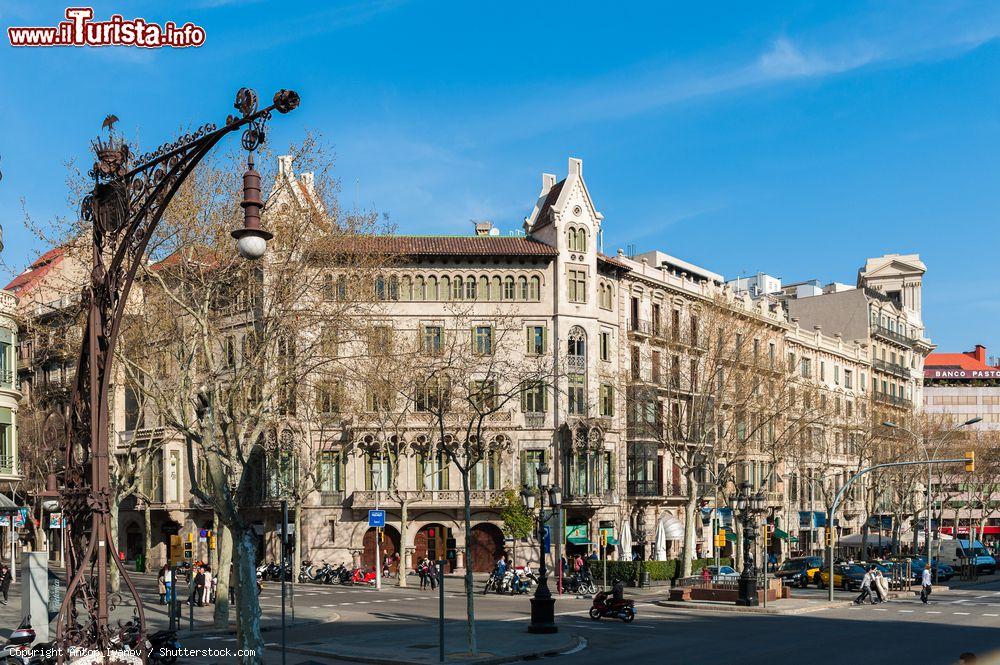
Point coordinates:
[(544, 216), (611, 261), (36, 271)]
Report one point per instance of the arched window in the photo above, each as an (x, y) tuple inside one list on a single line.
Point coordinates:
[(534, 288), (470, 288), (508, 288), (571, 238), (380, 288), (522, 284), (432, 288), (393, 288), (495, 293), (577, 343), (407, 288), (484, 287), (341, 287), (420, 293), (456, 290), (445, 288), (581, 240), (576, 361)]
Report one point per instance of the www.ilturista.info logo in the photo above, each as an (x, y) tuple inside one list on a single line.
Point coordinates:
[(80, 30)]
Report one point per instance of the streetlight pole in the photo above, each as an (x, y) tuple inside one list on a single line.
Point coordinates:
[(749, 507), (130, 195), (543, 618), (925, 448)]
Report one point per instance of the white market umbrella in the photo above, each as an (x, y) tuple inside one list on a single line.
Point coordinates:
[(625, 542), (661, 542)]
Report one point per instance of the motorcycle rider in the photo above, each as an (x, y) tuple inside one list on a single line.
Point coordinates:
[(617, 590)]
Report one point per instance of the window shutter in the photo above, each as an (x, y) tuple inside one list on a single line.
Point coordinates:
[(368, 472), (472, 339), (445, 471), (545, 339), (421, 483), (528, 338), (342, 480), (611, 471)]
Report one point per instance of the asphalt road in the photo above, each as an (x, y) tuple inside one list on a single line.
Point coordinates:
[(904, 631)]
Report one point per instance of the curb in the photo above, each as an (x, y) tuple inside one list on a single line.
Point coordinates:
[(216, 632), (683, 605), (574, 642)]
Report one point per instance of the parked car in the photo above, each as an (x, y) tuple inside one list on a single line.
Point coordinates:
[(723, 572), (846, 576), (943, 571), (800, 571)]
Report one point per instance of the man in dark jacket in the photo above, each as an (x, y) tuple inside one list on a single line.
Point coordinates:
[(4, 582), (199, 586)]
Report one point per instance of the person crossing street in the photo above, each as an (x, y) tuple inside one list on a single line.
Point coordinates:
[(925, 584)]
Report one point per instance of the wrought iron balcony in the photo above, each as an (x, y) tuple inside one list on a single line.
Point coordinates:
[(886, 398), (7, 465), (640, 327), (534, 420), (365, 499), (892, 335), (7, 378), (653, 488), (891, 368)]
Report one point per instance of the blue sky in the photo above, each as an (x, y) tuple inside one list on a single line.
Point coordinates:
[(791, 138)]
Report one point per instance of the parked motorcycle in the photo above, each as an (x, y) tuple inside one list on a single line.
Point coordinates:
[(18, 649), (605, 605), (361, 576)]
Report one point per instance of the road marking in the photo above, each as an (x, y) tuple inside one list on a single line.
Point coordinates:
[(882, 609), (991, 615), (965, 614), (906, 610), (932, 612), (364, 602)]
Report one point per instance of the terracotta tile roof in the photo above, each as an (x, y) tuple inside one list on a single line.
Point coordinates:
[(955, 361), (455, 246), (545, 212), (604, 258), (37, 270)]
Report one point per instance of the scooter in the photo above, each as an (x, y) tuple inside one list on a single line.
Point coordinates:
[(359, 576), (606, 606), (18, 649)]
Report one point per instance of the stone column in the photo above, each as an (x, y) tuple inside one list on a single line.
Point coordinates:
[(35, 592)]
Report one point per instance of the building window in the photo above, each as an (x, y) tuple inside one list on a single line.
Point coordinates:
[(378, 399), (805, 368), (848, 379), (530, 461), (433, 395), (577, 393), (534, 289), (457, 293), (331, 471), (482, 340), (379, 341), (589, 472), (327, 342), (604, 342), (536, 339), (432, 340), (471, 289), (485, 474), (483, 395), (379, 468), (607, 400), (534, 399), (522, 284), (836, 374), (577, 286), (508, 288), (328, 397), (432, 471)]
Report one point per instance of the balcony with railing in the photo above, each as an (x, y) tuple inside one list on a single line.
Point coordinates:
[(640, 328), (893, 400), (576, 363), (891, 368), (7, 467), (653, 488), (365, 499), (534, 420), (7, 378), (892, 335), (595, 500)]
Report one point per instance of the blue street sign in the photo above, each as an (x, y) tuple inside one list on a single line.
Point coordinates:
[(547, 540), (376, 518)]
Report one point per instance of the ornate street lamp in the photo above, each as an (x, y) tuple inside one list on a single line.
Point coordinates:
[(130, 195), (749, 506), (543, 614)]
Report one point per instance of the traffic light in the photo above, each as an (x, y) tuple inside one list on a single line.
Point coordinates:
[(604, 539), (189, 550), (828, 537), (720, 538), (970, 461), (211, 540), (767, 535)]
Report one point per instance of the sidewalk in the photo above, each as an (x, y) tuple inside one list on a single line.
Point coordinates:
[(498, 643), (787, 606)]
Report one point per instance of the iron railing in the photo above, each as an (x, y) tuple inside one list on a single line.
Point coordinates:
[(892, 335), (891, 368)]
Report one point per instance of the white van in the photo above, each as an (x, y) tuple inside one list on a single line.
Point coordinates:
[(956, 552)]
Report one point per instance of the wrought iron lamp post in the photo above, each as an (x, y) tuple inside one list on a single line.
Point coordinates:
[(130, 196), (543, 605), (749, 507)]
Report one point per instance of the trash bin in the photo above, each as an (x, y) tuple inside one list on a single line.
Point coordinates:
[(140, 563), (644, 578)]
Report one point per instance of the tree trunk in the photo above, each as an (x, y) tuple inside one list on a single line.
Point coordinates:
[(114, 578), (404, 519), (224, 546), (147, 534), (688, 551), (248, 635), (470, 609)]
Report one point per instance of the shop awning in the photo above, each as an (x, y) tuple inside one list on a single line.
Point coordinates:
[(783, 535), (612, 540), (730, 536), (578, 540)]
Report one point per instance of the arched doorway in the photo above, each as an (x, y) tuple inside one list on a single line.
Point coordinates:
[(487, 547), (431, 542), (390, 545), (133, 541)]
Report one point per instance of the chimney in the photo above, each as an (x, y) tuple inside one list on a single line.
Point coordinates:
[(979, 353), (484, 228), (576, 166), (285, 166)]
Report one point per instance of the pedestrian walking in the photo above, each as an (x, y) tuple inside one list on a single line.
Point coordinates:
[(866, 589), (925, 584), (161, 585), (879, 595), (199, 587), (422, 573), (207, 593), (883, 586), (432, 574), (168, 583), (4, 582)]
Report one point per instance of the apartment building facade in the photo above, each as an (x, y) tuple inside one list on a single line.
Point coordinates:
[(607, 325)]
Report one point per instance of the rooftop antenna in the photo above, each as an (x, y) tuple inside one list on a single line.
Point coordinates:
[(357, 193)]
